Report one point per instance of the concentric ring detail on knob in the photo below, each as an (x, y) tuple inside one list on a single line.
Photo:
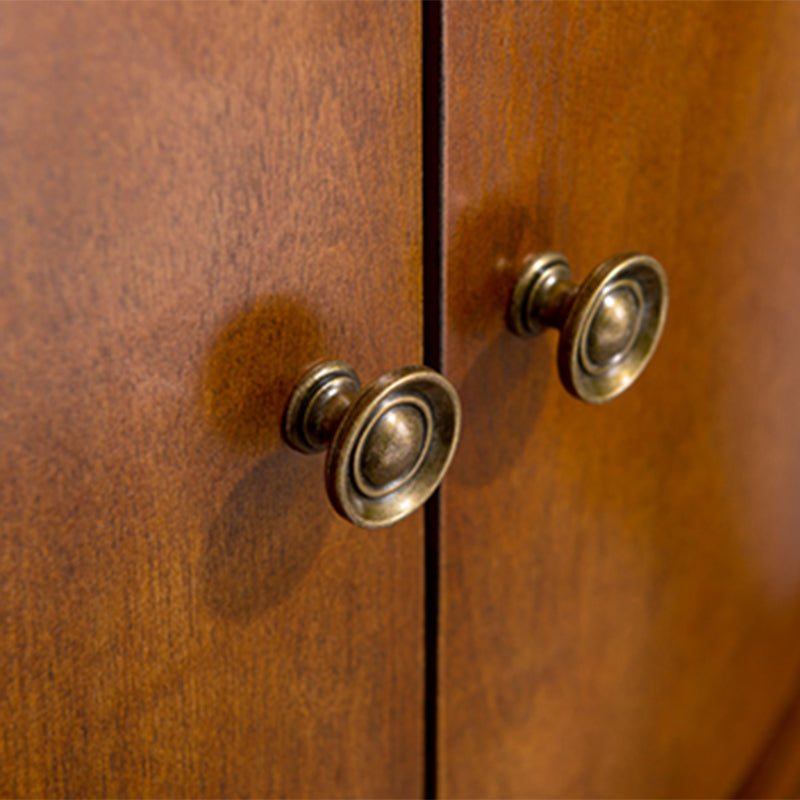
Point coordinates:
[(613, 326), (389, 445), (610, 324), (393, 446)]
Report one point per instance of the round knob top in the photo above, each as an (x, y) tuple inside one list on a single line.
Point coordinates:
[(610, 324), (389, 446), (613, 326), (393, 446)]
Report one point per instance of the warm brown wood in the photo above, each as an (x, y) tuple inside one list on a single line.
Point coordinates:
[(777, 771), (198, 200), (621, 585)]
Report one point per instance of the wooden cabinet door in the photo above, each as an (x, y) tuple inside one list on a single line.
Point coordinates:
[(198, 200), (620, 593)]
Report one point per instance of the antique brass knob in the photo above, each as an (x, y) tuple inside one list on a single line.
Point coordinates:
[(610, 324), (389, 445)]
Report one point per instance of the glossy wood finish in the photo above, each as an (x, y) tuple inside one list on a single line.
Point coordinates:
[(198, 200), (621, 584)]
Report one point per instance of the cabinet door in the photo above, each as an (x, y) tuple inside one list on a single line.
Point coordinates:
[(620, 591), (198, 200)]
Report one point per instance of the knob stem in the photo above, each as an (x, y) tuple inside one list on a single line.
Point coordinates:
[(543, 295), (551, 305), (327, 409)]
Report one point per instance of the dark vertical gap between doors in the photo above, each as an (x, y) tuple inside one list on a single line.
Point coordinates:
[(433, 286)]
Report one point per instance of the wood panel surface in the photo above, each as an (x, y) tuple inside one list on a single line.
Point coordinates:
[(776, 773), (620, 598), (196, 201)]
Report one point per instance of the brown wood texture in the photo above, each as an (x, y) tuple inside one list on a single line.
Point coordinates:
[(197, 200), (777, 772), (620, 597)]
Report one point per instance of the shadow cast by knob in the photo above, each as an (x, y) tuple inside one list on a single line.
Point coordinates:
[(503, 391), (502, 397), (271, 526), (252, 366), (266, 537)]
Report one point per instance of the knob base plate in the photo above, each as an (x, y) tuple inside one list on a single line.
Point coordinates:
[(534, 306), (317, 403)]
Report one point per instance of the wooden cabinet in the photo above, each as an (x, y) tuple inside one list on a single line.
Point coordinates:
[(621, 584), (200, 200)]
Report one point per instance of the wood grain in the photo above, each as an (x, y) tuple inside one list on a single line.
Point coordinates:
[(198, 200), (621, 585)]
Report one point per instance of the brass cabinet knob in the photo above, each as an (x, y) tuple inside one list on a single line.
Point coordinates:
[(389, 445), (610, 324)]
